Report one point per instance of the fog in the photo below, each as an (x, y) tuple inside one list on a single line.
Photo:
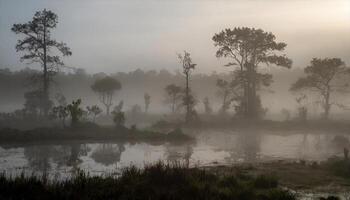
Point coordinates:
[(185, 99)]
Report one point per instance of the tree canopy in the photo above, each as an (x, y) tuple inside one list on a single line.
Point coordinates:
[(324, 77)]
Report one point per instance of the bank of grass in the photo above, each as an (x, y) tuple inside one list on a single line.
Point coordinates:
[(159, 181), (331, 126), (89, 131)]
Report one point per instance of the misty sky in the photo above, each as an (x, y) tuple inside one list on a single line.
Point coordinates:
[(122, 35)]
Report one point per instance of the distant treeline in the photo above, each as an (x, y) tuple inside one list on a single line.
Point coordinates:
[(77, 84)]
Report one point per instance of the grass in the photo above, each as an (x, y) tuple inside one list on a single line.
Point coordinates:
[(159, 181), (339, 167)]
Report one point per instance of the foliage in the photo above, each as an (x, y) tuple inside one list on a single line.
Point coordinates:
[(119, 118), (38, 47), (61, 112), (75, 112), (94, 110), (248, 48), (324, 77), (106, 88)]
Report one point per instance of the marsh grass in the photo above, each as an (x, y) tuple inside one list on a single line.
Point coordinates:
[(158, 181)]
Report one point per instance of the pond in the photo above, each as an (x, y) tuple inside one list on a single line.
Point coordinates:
[(211, 148)]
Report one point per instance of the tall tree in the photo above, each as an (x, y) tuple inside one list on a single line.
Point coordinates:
[(174, 94), (147, 99), (324, 77), (40, 47), (188, 66), (248, 48), (106, 88)]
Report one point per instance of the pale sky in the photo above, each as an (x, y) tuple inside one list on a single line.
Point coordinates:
[(122, 35)]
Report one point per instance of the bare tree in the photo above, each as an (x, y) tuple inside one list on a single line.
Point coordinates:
[(324, 77), (40, 47)]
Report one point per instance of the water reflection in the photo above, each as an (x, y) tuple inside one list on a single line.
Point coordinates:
[(44, 158), (211, 147), (108, 154), (178, 153)]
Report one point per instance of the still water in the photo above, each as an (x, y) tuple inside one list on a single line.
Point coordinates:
[(210, 148)]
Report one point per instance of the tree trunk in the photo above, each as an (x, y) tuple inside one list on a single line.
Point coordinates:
[(327, 105), (107, 109), (251, 112), (45, 96), (187, 99)]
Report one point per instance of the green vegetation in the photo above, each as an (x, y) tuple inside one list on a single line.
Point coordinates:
[(159, 181)]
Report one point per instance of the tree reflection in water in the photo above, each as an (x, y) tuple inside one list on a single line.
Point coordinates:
[(108, 154), (43, 158), (178, 153)]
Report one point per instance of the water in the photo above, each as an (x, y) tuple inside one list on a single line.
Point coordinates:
[(210, 148)]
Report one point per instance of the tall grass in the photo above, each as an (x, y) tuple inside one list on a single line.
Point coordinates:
[(159, 181)]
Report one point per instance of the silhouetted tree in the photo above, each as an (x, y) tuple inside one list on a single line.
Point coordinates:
[(188, 99), (106, 88), (248, 48), (75, 112), (324, 77), (207, 107), (147, 99), (118, 118), (61, 112), (94, 111), (39, 47), (119, 115), (174, 95)]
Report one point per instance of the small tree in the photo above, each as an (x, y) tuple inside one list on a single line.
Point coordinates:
[(106, 88), (94, 111), (188, 66), (39, 47), (173, 96), (75, 112), (324, 77), (147, 99), (119, 118), (207, 107), (119, 115), (61, 112)]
